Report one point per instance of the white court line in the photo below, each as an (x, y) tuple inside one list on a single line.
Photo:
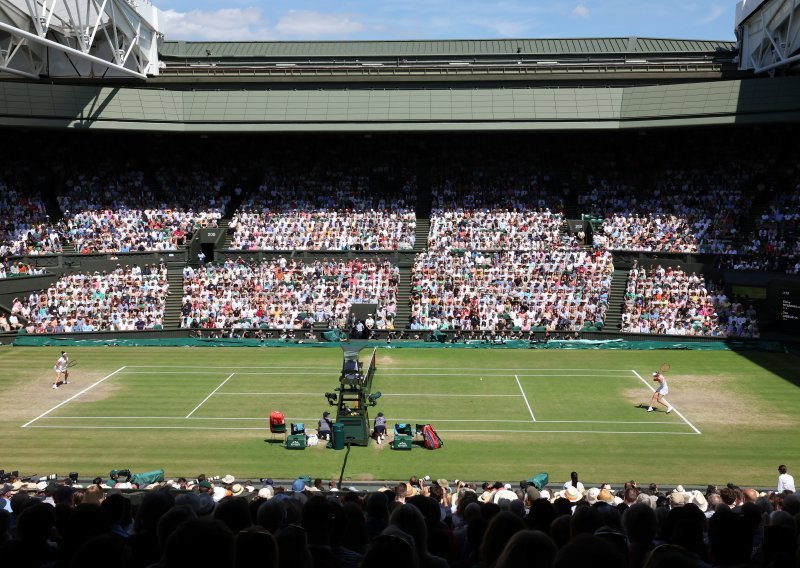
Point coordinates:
[(404, 420), (210, 395), (678, 412), (393, 375), (503, 431), (73, 397), (380, 368), (525, 398), (382, 394)]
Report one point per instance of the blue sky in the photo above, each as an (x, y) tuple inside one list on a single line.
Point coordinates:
[(252, 20)]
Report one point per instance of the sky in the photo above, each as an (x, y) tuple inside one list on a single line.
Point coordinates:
[(353, 20)]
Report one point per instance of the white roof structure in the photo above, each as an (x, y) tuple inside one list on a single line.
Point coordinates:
[(769, 34), (79, 38)]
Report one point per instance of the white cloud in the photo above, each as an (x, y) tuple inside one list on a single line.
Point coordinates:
[(715, 14), (305, 23), (231, 24), (580, 11)]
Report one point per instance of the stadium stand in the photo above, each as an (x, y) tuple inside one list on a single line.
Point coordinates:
[(286, 294), (553, 290), (406, 524), (667, 301), (125, 299), (324, 210)]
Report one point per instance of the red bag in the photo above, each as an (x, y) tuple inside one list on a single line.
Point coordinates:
[(432, 439), (276, 418)]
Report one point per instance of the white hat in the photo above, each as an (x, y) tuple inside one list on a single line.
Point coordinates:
[(591, 495), (228, 479), (266, 492), (572, 494), (219, 493)]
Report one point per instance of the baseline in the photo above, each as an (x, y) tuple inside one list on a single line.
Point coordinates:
[(73, 397), (678, 412)]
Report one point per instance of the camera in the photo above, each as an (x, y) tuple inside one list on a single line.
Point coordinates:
[(425, 478), (214, 478)]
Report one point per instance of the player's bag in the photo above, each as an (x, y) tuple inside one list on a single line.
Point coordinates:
[(432, 439)]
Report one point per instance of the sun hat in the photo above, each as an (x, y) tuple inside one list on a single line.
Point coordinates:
[(298, 485), (591, 495), (219, 493), (228, 479), (700, 500), (237, 490), (572, 494), (677, 499), (606, 496), (266, 492)]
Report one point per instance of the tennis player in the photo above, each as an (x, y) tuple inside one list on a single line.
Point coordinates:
[(661, 391), (61, 370)]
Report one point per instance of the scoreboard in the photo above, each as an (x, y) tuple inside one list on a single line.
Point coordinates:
[(790, 305)]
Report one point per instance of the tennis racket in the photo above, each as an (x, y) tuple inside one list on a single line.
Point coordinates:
[(72, 363), (664, 368)]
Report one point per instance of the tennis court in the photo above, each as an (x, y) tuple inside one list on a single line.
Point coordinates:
[(455, 400)]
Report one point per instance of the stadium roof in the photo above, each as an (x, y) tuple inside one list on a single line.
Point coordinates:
[(427, 48)]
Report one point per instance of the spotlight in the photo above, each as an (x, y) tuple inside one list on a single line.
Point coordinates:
[(373, 398)]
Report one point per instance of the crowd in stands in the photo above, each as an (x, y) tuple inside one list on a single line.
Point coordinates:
[(556, 290), (25, 228), (286, 293), (667, 300), (230, 523), (490, 210), (325, 210), (119, 212), (685, 210), (14, 268), (125, 299)]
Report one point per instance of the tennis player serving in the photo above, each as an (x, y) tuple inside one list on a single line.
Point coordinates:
[(661, 390), (61, 369)]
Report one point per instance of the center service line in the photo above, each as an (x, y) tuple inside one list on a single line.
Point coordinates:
[(525, 398), (209, 396)]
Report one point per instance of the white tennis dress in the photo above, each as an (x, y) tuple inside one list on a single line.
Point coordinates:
[(61, 365), (663, 388)]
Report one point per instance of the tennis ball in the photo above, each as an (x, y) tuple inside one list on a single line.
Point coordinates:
[(481, 378)]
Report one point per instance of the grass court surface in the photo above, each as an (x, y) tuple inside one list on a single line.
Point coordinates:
[(503, 414)]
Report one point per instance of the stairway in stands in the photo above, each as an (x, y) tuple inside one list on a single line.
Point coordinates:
[(226, 242), (404, 282), (172, 309), (616, 299)]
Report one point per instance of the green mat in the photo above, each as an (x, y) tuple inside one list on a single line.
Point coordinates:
[(51, 341)]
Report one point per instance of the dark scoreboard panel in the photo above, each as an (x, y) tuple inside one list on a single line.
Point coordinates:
[(790, 305)]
